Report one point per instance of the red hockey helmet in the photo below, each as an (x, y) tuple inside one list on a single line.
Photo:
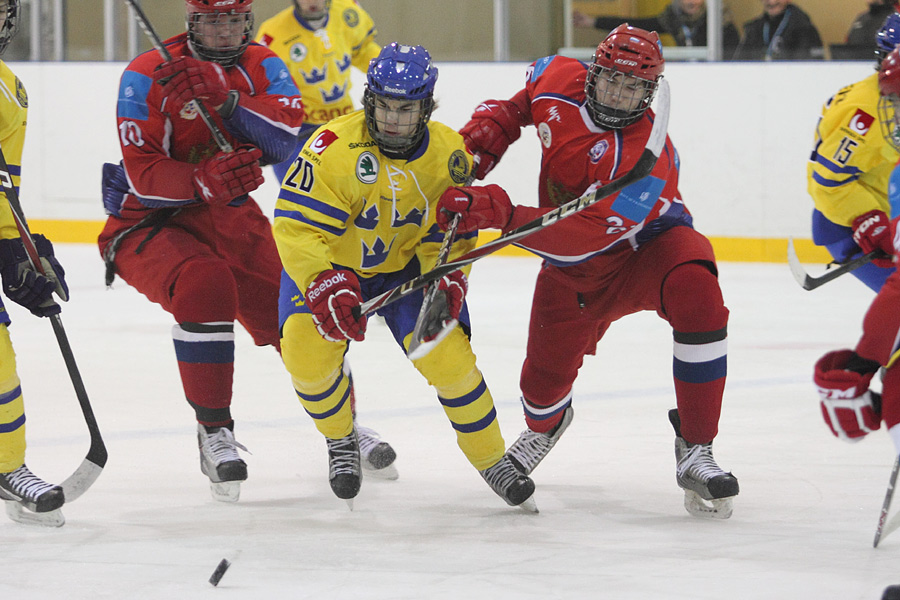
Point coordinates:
[(889, 103), (623, 76), (219, 30)]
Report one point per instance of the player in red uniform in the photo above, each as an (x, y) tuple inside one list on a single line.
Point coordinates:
[(182, 228), (636, 250), (842, 377)]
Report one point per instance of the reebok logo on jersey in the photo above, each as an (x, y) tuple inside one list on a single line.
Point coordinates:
[(861, 122), (322, 141), (312, 294)]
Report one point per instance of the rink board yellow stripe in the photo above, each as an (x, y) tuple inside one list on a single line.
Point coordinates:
[(727, 249)]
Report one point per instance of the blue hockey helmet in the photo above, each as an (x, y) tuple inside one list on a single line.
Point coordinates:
[(888, 36), (9, 9), (399, 97)]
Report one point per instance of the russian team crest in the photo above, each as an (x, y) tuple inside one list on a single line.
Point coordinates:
[(458, 166), (367, 168), (545, 135), (190, 111), (598, 150)]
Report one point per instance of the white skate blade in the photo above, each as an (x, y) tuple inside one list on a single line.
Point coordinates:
[(225, 491), (389, 472), (349, 502), (530, 506), (719, 508), (54, 518), (421, 350)]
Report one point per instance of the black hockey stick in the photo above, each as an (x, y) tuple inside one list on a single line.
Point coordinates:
[(886, 506), (810, 283), (655, 144), (84, 476), (157, 43), (429, 320)]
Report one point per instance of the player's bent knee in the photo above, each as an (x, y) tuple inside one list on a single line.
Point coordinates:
[(450, 363), (312, 361), (692, 299), (204, 292), (544, 386)]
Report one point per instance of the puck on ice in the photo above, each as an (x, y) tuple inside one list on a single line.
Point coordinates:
[(216, 577)]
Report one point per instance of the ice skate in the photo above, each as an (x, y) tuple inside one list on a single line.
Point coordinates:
[(515, 488), (344, 470), (219, 460), (531, 447), (30, 499), (708, 490), (376, 455)]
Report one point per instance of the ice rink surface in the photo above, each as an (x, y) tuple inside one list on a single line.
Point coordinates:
[(611, 522)]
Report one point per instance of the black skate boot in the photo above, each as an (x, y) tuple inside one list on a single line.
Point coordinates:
[(377, 456), (708, 490), (219, 460), (532, 447), (344, 470), (515, 488), (23, 489)]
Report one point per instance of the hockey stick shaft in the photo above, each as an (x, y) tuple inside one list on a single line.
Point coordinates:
[(655, 144), (886, 506), (415, 344), (807, 282), (145, 25), (91, 467)]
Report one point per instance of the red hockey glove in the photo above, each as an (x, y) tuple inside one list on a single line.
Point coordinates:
[(850, 410), (872, 231), (228, 175), (479, 207), (331, 297), (494, 125), (185, 78)]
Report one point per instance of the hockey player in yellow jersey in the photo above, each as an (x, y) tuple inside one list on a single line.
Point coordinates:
[(319, 40), (19, 487), (356, 217), (848, 172)]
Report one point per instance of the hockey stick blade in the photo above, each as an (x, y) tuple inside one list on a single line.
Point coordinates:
[(644, 165), (147, 28), (808, 282), (95, 460), (882, 531)]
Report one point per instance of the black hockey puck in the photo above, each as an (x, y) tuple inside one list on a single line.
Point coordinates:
[(891, 592), (216, 577)]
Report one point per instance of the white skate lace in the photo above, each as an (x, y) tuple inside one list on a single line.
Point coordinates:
[(368, 440), (501, 476), (343, 456), (221, 446), (699, 464), (531, 448), (26, 484)]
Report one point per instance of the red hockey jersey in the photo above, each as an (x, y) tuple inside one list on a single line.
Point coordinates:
[(579, 156)]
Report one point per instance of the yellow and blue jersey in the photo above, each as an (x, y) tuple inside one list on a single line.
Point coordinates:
[(848, 171), (345, 203), (13, 118), (319, 60)]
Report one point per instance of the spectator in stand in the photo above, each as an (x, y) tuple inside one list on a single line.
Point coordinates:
[(684, 20), (866, 24), (782, 32)]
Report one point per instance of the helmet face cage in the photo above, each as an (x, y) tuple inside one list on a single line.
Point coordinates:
[(616, 99), (313, 15), (219, 34), (888, 36), (399, 97), (889, 115), (10, 10)]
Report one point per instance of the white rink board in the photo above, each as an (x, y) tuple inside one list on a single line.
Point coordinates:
[(744, 132)]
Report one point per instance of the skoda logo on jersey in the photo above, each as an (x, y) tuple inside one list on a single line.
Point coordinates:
[(544, 134), (598, 150), (861, 122), (351, 17), (298, 52), (367, 168)]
